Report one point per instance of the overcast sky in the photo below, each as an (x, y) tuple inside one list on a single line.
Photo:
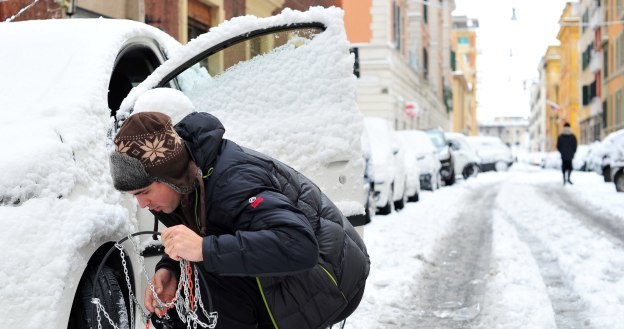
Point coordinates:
[(510, 50)]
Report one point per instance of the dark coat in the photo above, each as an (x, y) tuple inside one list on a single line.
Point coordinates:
[(566, 145), (268, 222)]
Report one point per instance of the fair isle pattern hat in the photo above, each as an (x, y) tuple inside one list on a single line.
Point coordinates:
[(147, 150)]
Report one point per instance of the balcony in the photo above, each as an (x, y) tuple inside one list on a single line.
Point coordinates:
[(595, 61)]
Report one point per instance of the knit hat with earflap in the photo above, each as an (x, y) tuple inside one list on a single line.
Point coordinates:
[(148, 150)]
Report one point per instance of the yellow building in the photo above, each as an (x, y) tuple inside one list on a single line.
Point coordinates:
[(613, 115), (464, 40), (569, 90), (552, 76)]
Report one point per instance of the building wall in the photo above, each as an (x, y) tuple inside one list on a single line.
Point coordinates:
[(614, 79), (358, 20), (465, 104), (43, 9), (552, 97), (570, 97), (391, 66)]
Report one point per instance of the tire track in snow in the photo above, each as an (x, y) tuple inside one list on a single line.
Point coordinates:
[(566, 302), (451, 287), (601, 222)]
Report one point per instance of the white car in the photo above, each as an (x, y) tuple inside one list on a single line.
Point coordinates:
[(412, 170), (426, 157), (494, 154), (466, 158), (609, 151), (388, 164), (295, 100)]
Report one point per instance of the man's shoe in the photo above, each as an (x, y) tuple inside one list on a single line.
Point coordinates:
[(570, 182)]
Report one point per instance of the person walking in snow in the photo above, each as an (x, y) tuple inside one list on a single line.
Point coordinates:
[(274, 250), (566, 145)]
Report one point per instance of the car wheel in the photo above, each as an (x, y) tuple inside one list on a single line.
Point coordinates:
[(450, 181), (501, 166), (606, 173), (369, 212), (619, 181), (387, 209), (470, 170), (400, 204), (108, 291)]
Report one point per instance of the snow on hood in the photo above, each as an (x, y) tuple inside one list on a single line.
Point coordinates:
[(258, 112), (55, 187)]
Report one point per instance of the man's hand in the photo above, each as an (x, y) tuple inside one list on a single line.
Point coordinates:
[(181, 242), (165, 285)]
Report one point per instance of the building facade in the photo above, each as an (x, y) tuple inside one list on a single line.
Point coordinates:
[(464, 68), (403, 50), (613, 100)]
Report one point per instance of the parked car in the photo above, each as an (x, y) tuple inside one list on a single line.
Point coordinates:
[(412, 169), (593, 160), (552, 160), (426, 157), (466, 158), (389, 166), (445, 154), (60, 212), (578, 163), (494, 154), (368, 179), (608, 151)]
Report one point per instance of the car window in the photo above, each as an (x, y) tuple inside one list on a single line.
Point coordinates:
[(239, 54)]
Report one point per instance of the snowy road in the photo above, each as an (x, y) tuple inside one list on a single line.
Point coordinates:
[(505, 250)]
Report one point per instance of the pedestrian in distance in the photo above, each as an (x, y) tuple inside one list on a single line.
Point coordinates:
[(275, 252), (566, 145)]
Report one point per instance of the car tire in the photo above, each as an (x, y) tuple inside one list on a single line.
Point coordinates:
[(606, 174), (111, 296), (450, 181), (470, 170), (619, 181), (387, 209), (413, 198), (400, 204), (369, 212)]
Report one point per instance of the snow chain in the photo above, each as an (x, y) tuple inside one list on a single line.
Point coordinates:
[(187, 301)]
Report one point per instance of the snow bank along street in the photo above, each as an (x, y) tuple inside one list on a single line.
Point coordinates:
[(505, 250)]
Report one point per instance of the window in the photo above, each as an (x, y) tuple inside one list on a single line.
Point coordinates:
[(398, 25), (463, 40)]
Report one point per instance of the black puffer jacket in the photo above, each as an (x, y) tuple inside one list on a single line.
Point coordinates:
[(268, 222)]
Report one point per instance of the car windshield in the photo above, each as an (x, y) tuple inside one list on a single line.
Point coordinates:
[(437, 140)]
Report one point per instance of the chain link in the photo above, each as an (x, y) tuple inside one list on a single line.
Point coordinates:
[(182, 301)]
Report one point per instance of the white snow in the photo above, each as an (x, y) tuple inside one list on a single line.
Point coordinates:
[(516, 295)]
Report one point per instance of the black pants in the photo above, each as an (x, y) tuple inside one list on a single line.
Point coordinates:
[(566, 168), (237, 301)]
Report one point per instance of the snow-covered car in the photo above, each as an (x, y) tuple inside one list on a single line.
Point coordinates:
[(552, 160), (466, 158), (412, 170), (288, 91), (445, 155), (388, 164), (494, 154), (368, 179), (592, 159), (426, 157), (578, 163), (608, 151)]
